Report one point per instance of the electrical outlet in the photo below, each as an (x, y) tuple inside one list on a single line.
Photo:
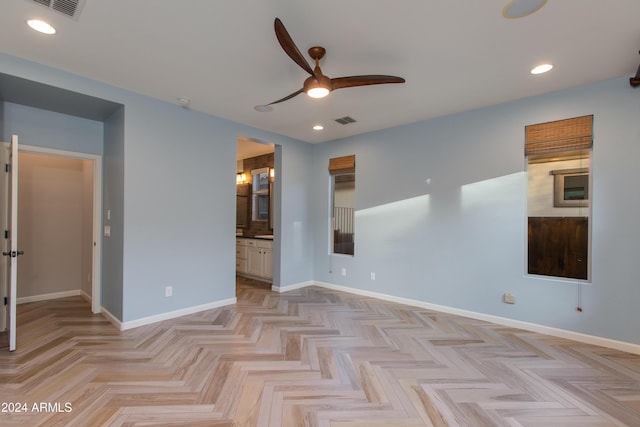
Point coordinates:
[(168, 291), (509, 298), (373, 275), (343, 271)]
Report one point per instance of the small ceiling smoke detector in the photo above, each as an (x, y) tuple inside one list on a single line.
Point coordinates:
[(521, 8), (184, 102)]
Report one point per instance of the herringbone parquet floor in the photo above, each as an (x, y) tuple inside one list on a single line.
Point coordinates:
[(310, 357)]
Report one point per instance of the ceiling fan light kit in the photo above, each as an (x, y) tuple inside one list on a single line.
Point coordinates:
[(317, 85), (317, 88)]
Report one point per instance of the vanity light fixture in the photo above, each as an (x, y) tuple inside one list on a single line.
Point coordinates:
[(241, 178), (272, 172), (542, 68), (41, 26)]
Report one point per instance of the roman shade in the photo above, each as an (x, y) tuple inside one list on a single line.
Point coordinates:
[(342, 165), (574, 134)]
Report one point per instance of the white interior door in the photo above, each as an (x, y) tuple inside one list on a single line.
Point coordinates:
[(5, 150), (10, 254)]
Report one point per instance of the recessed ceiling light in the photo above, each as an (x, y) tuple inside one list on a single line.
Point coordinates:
[(521, 8), (263, 108), (542, 68), (318, 127), (41, 26)]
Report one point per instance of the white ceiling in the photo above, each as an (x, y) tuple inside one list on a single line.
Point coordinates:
[(455, 55), (248, 148)]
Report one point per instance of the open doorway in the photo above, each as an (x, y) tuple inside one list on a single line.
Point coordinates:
[(55, 224), (256, 207), (59, 223)]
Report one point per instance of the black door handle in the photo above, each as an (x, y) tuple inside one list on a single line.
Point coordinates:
[(13, 254)]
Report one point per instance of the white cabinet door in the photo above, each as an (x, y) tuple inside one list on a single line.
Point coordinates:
[(254, 261), (267, 267), (241, 265)]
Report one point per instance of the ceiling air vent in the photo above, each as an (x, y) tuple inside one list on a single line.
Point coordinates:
[(70, 8), (345, 120)]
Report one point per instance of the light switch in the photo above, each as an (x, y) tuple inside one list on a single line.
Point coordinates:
[(107, 230)]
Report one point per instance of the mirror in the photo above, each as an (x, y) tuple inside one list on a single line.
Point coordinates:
[(260, 194)]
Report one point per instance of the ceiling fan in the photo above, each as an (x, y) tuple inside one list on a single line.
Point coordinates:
[(318, 85), (635, 81)]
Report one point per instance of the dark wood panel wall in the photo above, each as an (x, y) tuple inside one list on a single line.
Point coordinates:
[(256, 227), (558, 246)]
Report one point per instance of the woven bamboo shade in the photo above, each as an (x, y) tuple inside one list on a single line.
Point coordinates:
[(341, 165), (560, 136)]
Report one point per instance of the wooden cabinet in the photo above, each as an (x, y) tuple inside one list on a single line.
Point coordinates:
[(242, 205), (258, 258), (559, 246)]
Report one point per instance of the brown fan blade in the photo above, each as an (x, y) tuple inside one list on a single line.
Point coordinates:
[(352, 81), (287, 97), (290, 47)]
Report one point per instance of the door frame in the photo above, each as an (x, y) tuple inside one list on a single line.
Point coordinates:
[(96, 279)]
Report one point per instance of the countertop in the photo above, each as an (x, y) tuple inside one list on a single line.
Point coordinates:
[(259, 237)]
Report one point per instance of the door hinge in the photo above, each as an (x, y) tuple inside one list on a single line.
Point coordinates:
[(6, 234), (7, 167), (6, 301)]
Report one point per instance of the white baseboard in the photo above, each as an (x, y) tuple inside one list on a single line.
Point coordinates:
[(85, 295), (292, 287), (44, 297), (533, 327), (111, 318), (123, 326)]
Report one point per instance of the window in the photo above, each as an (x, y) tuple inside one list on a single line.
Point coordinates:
[(571, 187), (558, 198), (343, 185), (260, 194)]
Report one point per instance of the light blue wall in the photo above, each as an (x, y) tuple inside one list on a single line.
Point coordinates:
[(459, 241), (2, 134), (170, 183), (179, 170), (296, 263), (113, 201), (47, 129)]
